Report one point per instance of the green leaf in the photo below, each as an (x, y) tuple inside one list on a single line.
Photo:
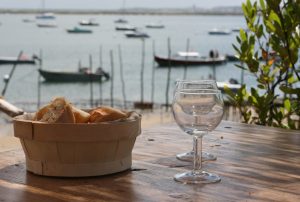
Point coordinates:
[(287, 105), (228, 91), (243, 35), (240, 66), (262, 5), (244, 46), (292, 79), (289, 90), (270, 26), (274, 17), (236, 49), (238, 39), (260, 31)]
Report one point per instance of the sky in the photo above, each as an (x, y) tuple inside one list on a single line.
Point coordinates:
[(116, 4)]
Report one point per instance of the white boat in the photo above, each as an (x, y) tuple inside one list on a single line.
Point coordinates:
[(90, 22), (126, 28), (136, 34), (155, 26), (189, 59), (216, 31), (45, 16), (47, 24)]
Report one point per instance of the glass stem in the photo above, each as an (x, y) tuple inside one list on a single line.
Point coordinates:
[(197, 154)]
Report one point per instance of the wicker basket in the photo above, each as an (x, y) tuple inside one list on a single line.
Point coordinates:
[(77, 150)]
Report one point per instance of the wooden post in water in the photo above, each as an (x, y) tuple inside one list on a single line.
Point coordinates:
[(112, 79), (100, 83), (40, 59), (122, 76), (91, 82), (168, 75), (142, 71), (212, 55), (10, 74), (186, 58), (153, 73)]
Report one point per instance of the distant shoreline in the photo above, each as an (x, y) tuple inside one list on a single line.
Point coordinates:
[(133, 11)]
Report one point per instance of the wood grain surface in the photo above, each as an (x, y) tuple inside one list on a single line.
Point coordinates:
[(255, 163)]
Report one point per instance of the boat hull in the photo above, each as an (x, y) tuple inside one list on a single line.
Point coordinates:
[(137, 35), (165, 62), (52, 76), (79, 31), (21, 62)]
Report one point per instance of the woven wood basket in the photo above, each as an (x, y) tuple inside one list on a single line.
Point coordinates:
[(77, 150)]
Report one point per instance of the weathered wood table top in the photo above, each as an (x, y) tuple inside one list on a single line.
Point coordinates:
[(255, 163)]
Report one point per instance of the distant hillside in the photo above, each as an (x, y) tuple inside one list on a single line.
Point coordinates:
[(139, 11)]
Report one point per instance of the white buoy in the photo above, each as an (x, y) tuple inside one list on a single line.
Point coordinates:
[(6, 77)]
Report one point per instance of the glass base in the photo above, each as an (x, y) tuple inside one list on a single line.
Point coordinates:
[(189, 156), (200, 177)]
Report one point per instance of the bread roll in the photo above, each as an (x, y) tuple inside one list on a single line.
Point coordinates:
[(103, 114), (58, 111), (80, 115)]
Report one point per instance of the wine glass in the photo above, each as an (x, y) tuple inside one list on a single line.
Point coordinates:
[(197, 111), (195, 84)]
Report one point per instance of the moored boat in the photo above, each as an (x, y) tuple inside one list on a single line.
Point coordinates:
[(24, 59), (121, 21), (216, 31), (82, 75), (232, 58), (47, 24), (45, 16), (136, 34), (189, 59), (155, 26), (90, 22), (126, 28), (77, 30)]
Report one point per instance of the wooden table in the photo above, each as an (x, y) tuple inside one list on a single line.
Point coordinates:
[(255, 163)]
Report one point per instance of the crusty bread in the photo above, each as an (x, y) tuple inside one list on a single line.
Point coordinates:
[(58, 111), (39, 114), (103, 114), (80, 115)]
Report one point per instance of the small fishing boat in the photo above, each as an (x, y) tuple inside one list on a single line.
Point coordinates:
[(46, 16), (126, 28), (121, 21), (136, 34), (90, 22), (27, 20), (77, 30), (189, 59), (47, 24), (232, 58), (216, 31), (82, 75), (24, 59), (155, 26)]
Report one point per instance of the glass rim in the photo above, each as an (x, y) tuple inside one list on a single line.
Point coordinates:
[(195, 81), (204, 91)]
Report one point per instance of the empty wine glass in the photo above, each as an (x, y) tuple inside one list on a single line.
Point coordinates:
[(197, 111), (195, 84)]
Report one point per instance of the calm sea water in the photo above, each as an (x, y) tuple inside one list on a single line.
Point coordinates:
[(62, 51)]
